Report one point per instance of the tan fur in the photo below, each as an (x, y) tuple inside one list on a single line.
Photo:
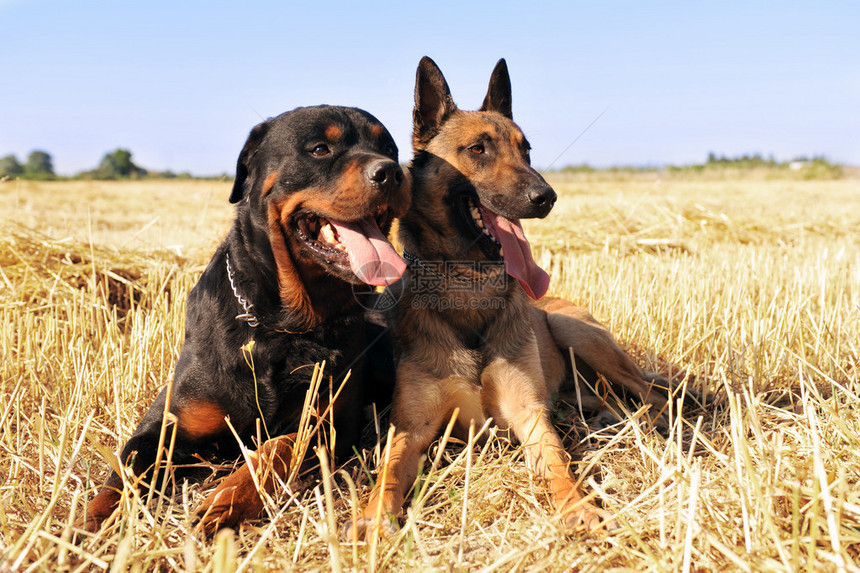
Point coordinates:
[(269, 183), (571, 326), (236, 498), (503, 361), (201, 418), (333, 133), (296, 269), (292, 289)]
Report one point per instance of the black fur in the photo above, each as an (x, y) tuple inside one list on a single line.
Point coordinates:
[(212, 370)]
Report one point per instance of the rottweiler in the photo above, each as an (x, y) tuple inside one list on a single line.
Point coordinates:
[(466, 334), (316, 190)]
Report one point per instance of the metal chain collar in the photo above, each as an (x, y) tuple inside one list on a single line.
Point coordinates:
[(248, 316)]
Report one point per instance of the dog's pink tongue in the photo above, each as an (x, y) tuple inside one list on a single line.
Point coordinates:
[(517, 253), (371, 257)]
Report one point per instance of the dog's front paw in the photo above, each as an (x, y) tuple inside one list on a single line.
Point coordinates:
[(366, 528), (99, 509), (234, 500), (587, 517)]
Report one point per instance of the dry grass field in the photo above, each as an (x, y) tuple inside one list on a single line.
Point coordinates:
[(744, 286)]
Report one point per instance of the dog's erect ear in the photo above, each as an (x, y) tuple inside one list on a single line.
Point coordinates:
[(498, 96), (433, 102), (244, 180)]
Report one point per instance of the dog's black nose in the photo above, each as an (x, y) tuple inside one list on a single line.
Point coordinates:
[(542, 197), (384, 172)]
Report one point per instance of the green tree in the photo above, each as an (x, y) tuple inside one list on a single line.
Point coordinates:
[(10, 166), (39, 165), (117, 164)]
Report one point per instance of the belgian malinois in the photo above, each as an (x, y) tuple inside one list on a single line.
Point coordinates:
[(466, 334)]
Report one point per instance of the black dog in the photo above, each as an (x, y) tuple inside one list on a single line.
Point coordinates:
[(316, 190)]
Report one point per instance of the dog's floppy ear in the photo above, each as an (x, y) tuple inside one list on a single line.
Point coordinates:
[(433, 102), (244, 180), (498, 96)]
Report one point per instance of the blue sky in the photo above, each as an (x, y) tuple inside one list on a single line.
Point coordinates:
[(182, 83)]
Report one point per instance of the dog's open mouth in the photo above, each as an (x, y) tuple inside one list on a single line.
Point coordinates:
[(357, 245), (508, 237), (480, 227)]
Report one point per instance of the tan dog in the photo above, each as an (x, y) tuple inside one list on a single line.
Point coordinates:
[(466, 334)]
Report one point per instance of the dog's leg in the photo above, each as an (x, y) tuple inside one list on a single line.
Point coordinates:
[(199, 422), (403, 453), (102, 505), (236, 498), (420, 408), (573, 327), (515, 395), (142, 449)]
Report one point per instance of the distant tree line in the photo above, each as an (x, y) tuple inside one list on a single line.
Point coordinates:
[(116, 164), (745, 160), (812, 167), (757, 160), (39, 165)]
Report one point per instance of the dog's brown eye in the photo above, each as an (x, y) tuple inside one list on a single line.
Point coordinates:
[(477, 149), (320, 150)]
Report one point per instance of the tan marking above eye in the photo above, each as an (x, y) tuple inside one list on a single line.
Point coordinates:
[(333, 133)]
